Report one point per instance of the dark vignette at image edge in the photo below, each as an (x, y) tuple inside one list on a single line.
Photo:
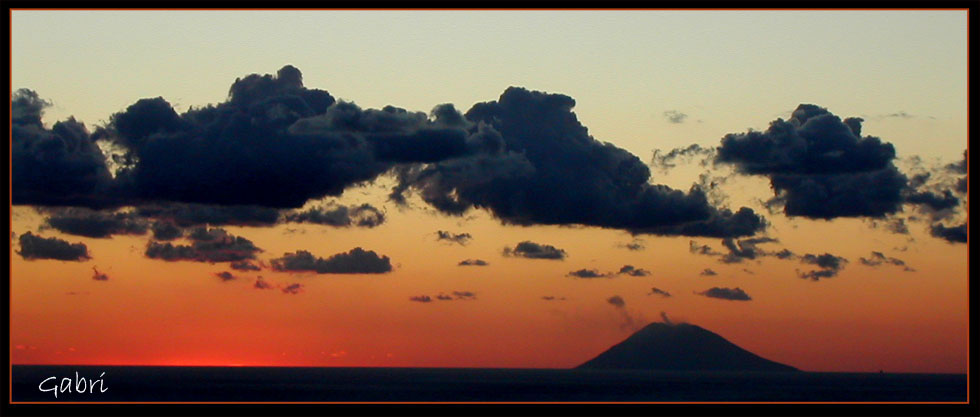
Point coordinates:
[(971, 408)]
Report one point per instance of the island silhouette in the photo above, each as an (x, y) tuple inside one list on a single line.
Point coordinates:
[(668, 346)]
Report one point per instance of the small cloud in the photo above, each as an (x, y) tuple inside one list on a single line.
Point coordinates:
[(587, 274), (245, 266), (356, 261), (364, 215), (531, 250), (225, 276), (35, 247), (708, 272), (99, 276), (697, 249), (674, 116), (261, 284), (293, 289), (208, 245), (458, 238), (634, 272), (464, 295), (734, 294), (443, 297), (635, 245), (952, 234), (552, 298), (616, 301), (420, 299), (658, 291), (829, 265), (473, 262), (878, 258)]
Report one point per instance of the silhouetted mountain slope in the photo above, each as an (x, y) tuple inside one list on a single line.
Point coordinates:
[(681, 347)]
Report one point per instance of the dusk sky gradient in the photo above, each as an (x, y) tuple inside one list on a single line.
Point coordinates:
[(646, 82)]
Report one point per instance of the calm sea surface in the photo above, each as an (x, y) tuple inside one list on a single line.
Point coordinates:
[(157, 383)]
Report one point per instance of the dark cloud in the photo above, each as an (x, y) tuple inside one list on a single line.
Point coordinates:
[(99, 276), (708, 272), (166, 230), (97, 224), (675, 116), (188, 215), (785, 254), (244, 266), (734, 294), (933, 200), (273, 143), (225, 275), (587, 273), (665, 161), (293, 289), (444, 297), (695, 248), (878, 258), (546, 169), (952, 234), (658, 291), (277, 144), (829, 266), (208, 245), (616, 301), (58, 166), (420, 298), (356, 261), (820, 166), (460, 238), (364, 215), (635, 245), (261, 284), (36, 247), (744, 249), (531, 250), (633, 271), (552, 298), (473, 262), (464, 295)]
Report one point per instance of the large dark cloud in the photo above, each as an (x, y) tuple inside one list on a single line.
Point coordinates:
[(546, 169), (356, 261), (37, 247), (734, 294), (208, 245), (820, 166), (273, 143), (364, 215), (189, 215), (531, 250), (830, 266), (277, 144), (57, 166), (97, 224)]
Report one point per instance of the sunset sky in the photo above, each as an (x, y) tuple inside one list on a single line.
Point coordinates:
[(234, 188)]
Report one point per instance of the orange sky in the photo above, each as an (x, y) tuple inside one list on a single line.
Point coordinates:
[(177, 313)]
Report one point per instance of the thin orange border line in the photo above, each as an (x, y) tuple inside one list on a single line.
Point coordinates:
[(10, 190)]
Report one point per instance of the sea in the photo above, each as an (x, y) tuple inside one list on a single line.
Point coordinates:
[(33, 383)]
